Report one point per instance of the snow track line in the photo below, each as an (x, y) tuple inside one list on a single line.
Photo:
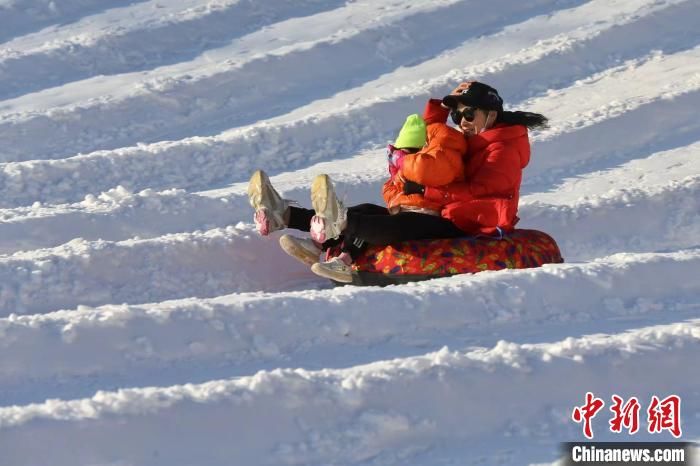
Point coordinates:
[(140, 343), (589, 204), (639, 174), (381, 411), (135, 38), (117, 215), (629, 112), (663, 218), (197, 264), (18, 17), (108, 122)]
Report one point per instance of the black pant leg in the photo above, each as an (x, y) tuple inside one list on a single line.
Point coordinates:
[(404, 226), (300, 218), (368, 209), (372, 224), (352, 244)]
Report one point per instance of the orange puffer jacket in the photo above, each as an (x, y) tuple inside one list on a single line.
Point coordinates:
[(487, 200), (437, 164)]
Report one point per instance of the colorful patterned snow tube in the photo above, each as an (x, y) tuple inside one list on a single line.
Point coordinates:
[(425, 259)]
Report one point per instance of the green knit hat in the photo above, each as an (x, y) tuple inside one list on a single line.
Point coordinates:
[(413, 133)]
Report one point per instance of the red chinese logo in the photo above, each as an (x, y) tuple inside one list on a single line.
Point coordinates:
[(587, 412), (665, 415), (661, 415), (626, 416)]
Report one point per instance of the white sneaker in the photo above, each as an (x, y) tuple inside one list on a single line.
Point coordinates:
[(331, 215), (335, 269), (268, 204), (302, 249)]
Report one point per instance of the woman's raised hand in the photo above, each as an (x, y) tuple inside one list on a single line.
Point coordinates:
[(458, 90), (462, 87)]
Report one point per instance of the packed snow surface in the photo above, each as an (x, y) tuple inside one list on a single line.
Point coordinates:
[(144, 322)]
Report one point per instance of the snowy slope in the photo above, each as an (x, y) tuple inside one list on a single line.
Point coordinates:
[(144, 322)]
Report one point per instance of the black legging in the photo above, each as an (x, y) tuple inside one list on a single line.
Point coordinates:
[(373, 224)]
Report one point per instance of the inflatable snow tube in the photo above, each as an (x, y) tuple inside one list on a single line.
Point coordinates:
[(425, 259)]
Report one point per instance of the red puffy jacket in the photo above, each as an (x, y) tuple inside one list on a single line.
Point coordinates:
[(488, 198)]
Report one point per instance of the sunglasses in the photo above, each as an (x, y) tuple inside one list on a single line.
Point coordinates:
[(469, 113)]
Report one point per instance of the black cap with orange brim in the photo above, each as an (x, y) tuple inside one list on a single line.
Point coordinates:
[(477, 95)]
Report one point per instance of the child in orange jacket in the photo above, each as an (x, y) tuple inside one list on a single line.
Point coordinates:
[(438, 163)]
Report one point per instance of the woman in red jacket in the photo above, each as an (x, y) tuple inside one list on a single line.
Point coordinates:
[(486, 201)]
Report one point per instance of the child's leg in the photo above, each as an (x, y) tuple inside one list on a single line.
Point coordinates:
[(355, 246), (300, 219), (271, 210), (404, 226)]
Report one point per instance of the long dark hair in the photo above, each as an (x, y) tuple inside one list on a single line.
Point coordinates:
[(529, 119)]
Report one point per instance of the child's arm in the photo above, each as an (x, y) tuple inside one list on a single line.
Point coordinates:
[(440, 161), (434, 112)]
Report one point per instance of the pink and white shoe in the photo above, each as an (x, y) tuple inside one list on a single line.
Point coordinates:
[(331, 215), (268, 204), (318, 229)]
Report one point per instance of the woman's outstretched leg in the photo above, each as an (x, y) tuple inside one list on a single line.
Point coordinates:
[(331, 214), (271, 211), (327, 224)]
